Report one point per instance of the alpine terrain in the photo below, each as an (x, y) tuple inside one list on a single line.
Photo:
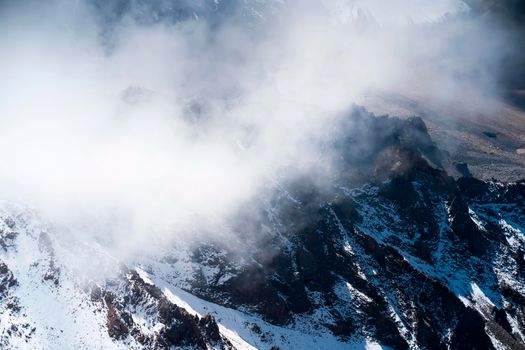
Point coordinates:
[(396, 223)]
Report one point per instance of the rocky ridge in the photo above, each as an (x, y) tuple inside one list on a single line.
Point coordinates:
[(392, 252)]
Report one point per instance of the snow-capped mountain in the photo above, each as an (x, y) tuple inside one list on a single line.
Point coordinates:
[(401, 12), (389, 248), (398, 12), (393, 254)]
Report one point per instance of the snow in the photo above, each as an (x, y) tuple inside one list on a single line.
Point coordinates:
[(53, 311), (476, 219), (237, 326), (64, 316), (515, 236), (347, 292), (479, 297), (143, 275)]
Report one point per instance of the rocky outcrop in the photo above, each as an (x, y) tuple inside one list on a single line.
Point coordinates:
[(129, 295), (421, 255), (391, 249)]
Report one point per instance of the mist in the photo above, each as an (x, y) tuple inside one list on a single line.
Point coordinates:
[(127, 130)]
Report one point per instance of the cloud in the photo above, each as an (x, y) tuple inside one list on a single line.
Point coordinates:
[(129, 130)]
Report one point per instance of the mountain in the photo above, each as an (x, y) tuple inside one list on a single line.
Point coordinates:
[(400, 12), (392, 252), (407, 240)]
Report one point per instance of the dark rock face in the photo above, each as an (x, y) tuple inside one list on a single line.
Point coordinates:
[(129, 294), (210, 327), (413, 245), (7, 280)]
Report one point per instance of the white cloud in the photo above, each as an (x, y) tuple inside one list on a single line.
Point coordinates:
[(178, 125)]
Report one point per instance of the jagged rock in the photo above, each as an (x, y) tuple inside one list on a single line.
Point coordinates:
[(393, 249), (210, 327), (7, 279)]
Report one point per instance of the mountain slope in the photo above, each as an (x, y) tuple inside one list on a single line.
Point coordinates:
[(392, 252)]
